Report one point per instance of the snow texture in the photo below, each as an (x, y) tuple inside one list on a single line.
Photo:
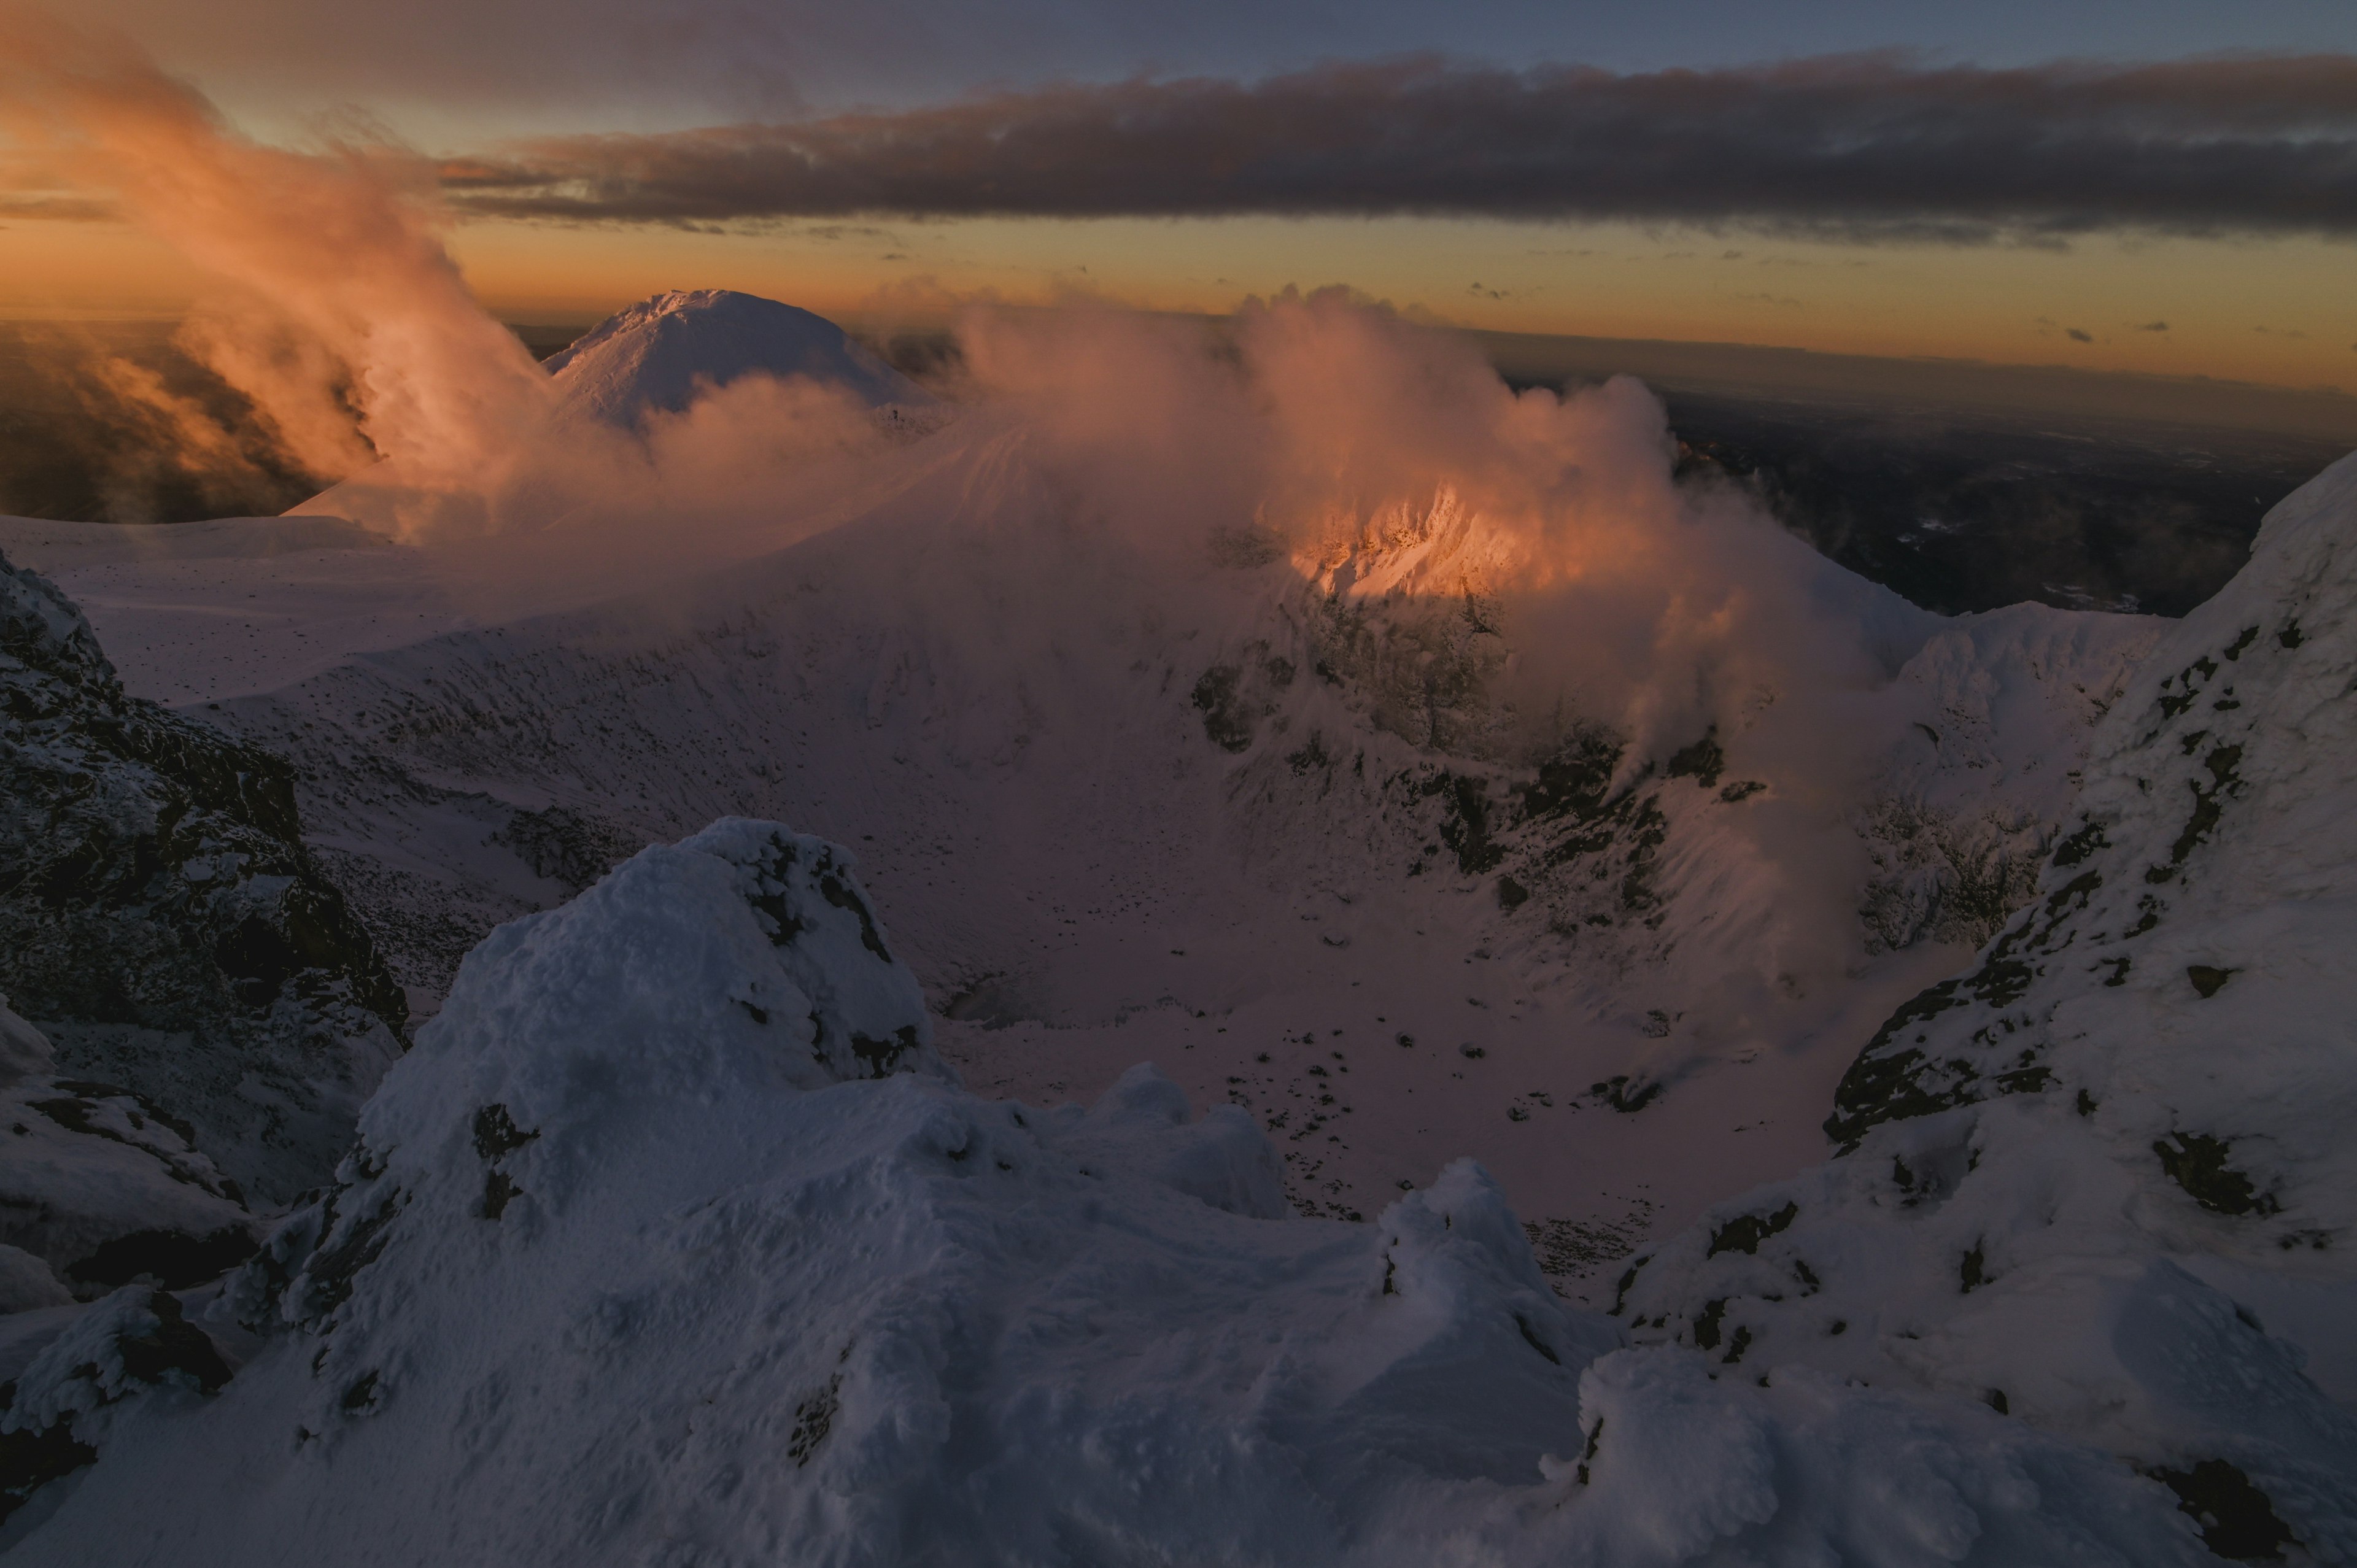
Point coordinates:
[(642, 1258)]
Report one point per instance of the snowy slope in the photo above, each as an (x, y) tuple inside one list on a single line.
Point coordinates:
[(2103, 1178), (662, 352), (197, 612), (643, 1255)]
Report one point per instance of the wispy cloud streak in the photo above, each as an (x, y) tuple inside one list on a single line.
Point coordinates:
[(1864, 146)]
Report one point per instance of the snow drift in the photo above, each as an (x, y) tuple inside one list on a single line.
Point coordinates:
[(672, 1241)]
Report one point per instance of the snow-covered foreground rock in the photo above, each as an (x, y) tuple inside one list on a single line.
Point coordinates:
[(672, 1242)]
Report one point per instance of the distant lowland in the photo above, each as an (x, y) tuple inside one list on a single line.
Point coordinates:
[(1962, 487)]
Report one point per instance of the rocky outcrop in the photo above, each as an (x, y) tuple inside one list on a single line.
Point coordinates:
[(2102, 1179), (164, 926), (100, 1187)]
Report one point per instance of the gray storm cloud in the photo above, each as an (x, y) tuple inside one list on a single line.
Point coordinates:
[(1866, 146)]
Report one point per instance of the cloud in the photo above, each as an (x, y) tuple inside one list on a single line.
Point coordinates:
[(333, 300), (2076, 336), (1863, 147), (2153, 326), (56, 208)]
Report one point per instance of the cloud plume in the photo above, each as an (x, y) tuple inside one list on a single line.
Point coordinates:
[(1866, 146), (337, 308)]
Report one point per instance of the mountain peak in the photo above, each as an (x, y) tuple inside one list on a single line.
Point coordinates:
[(658, 353)]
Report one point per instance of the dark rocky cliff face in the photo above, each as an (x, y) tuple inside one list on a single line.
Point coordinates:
[(161, 920)]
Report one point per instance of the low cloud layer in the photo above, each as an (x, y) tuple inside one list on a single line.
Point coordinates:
[(1870, 147)]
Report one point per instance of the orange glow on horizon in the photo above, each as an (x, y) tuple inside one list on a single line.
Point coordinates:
[(2275, 313)]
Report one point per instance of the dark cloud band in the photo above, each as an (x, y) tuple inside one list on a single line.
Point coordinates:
[(1869, 145)]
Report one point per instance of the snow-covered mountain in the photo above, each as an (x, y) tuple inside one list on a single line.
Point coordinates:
[(687, 392), (663, 352), (1229, 799), (1573, 820)]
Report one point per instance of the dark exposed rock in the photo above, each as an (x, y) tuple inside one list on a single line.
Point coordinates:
[(1703, 761), (1228, 721), (173, 1259), (2198, 1163), (29, 1459), (1744, 1232), (1621, 1095), (2238, 1521), (2208, 981), (566, 845)]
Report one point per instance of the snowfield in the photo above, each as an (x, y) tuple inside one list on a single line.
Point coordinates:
[(1519, 1018)]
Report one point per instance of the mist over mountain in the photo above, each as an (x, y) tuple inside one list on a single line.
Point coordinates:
[(1955, 499), (1254, 946)]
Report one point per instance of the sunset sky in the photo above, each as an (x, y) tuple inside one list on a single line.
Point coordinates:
[(2168, 187)]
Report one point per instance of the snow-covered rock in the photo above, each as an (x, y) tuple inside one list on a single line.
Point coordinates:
[(134, 1344), (663, 352), (2103, 1178), (107, 1188), (672, 1241)]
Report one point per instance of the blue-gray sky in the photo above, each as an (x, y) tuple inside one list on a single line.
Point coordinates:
[(460, 69)]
